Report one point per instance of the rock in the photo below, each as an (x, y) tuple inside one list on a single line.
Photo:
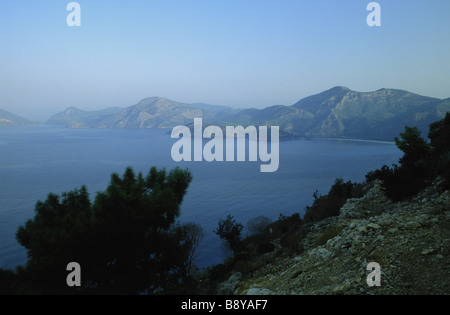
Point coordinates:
[(323, 253), (341, 289), (412, 225), (428, 251), (228, 287), (406, 235), (362, 229), (434, 221), (258, 291), (373, 226)]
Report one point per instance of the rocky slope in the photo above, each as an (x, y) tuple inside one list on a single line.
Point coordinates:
[(410, 240)]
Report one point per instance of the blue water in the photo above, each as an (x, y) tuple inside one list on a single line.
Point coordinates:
[(35, 161)]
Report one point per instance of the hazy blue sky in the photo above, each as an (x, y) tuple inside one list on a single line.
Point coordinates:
[(241, 53)]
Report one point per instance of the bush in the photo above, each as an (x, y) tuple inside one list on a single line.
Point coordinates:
[(291, 241), (258, 226), (328, 234), (124, 241), (230, 231), (286, 224), (440, 143), (265, 247), (331, 204), (415, 170), (399, 183)]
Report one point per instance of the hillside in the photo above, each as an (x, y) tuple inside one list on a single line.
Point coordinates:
[(410, 240), (8, 119), (341, 112), (398, 218)]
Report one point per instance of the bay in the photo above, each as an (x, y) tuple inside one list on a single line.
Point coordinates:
[(37, 160)]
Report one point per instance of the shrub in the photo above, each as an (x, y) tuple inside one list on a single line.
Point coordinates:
[(331, 204), (230, 231), (291, 241), (328, 234), (414, 172), (124, 240), (440, 143), (265, 247), (286, 224), (399, 183), (258, 226)]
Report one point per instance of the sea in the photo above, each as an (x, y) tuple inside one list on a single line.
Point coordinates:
[(38, 160)]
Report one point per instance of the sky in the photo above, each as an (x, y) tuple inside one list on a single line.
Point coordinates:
[(239, 53)]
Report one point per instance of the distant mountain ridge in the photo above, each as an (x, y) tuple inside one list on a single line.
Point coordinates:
[(77, 118), (9, 119), (335, 113), (152, 112), (343, 113)]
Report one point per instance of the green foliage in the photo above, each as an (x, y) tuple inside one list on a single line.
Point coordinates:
[(243, 266), (413, 174), (331, 204), (415, 148), (420, 164), (188, 237), (56, 236), (399, 183), (230, 231), (126, 241), (328, 234), (440, 143), (265, 247), (286, 224), (258, 226), (214, 275), (290, 242)]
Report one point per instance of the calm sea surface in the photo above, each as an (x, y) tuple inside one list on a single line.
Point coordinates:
[(35, 161)]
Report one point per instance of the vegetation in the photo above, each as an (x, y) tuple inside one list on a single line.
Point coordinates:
[(230, 231), (421, 163), (258, 226), (328, 234), (331, 204), (127, 241)]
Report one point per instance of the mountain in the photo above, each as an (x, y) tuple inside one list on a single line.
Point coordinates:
[(153, 112), (335, 113), (8, 119), (341, 112), (381, 115), (77, 118)]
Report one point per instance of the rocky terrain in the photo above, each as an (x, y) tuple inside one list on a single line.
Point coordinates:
[(410, 240)]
